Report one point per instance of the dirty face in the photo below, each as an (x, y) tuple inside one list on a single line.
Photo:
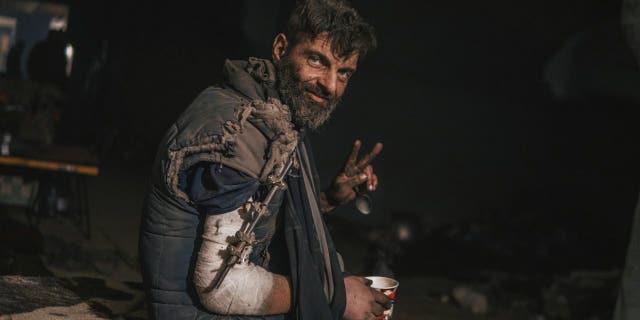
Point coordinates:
[(312, 77)]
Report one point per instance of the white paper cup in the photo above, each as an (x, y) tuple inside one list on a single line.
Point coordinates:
[(387, 286)]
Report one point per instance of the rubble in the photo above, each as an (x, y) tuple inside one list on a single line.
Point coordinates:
[(470, 299), (20, 295)]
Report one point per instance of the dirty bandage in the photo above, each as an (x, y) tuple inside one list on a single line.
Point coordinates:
[(246, 288)]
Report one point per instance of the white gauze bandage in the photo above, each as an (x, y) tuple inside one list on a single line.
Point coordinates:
[(246, 287)]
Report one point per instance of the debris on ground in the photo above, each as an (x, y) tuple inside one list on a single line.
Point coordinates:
[(470, 299)]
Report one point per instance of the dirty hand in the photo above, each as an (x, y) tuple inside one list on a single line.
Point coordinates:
[(354, 173), (363, 302)]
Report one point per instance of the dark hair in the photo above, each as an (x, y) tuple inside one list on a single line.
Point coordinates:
[(348, 32)]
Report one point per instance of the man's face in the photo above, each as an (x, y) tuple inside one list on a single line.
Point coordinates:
[(313, 79)]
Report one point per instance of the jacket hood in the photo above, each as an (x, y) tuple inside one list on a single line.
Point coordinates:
[(255, 78)]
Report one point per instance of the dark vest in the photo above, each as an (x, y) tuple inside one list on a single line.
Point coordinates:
[(218, 127), (211, 129)]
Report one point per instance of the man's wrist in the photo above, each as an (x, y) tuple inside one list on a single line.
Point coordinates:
[(326, 204)]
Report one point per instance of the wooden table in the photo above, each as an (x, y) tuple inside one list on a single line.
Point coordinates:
[(76, 163)]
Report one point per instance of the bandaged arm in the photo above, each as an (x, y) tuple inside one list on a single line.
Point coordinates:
[(247, 289)]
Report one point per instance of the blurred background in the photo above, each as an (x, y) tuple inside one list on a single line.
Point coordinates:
[(509, 175)]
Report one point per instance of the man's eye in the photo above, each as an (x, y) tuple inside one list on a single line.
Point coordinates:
[(314, 60), (345, 75)]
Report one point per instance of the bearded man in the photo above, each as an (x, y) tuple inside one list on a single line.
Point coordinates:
[(221, 155)]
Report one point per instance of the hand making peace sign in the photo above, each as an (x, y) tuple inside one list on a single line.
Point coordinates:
[(354, 173)]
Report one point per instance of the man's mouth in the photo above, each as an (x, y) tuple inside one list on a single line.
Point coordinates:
[(315, 97)]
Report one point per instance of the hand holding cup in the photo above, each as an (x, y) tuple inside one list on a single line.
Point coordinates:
[(388, 287)]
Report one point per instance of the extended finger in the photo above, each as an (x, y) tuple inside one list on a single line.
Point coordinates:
[(382, 299), (375, 182), (354, 153), (369, 156), (369, 172)]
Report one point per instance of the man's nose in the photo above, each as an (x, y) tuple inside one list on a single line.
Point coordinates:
[(329, 82)]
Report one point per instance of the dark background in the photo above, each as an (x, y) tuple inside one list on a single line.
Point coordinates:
[(516, 115), (510, 132)]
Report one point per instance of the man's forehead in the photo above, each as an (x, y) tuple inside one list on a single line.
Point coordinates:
[(322, 43)]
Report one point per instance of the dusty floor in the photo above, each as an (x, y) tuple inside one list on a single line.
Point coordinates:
[(100, 277)]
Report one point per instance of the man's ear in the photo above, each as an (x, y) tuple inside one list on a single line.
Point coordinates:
[(280, 47)]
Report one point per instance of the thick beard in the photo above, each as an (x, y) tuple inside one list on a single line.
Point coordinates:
[(305, 112)]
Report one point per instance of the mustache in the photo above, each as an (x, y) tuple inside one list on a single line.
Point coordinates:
[(318, 91), (304, 111)]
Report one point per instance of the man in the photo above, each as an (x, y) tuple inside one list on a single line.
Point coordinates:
[(219, 156)]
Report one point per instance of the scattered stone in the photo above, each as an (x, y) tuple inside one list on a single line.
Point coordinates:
[(470, 299), (73, 298), (80, 311), (23, 294)]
